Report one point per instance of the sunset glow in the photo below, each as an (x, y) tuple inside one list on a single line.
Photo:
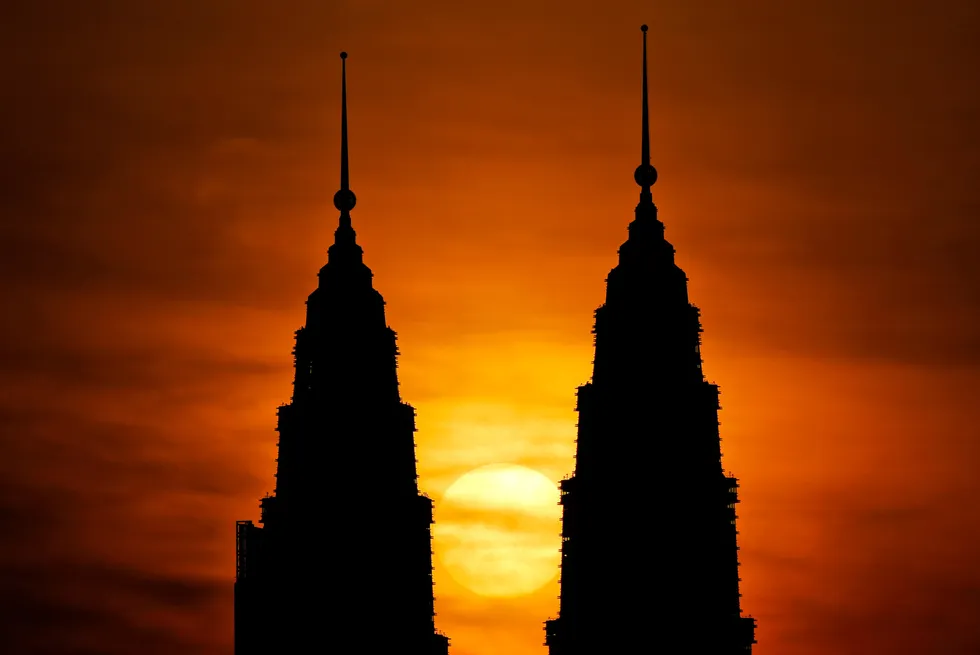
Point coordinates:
[(167, 181)]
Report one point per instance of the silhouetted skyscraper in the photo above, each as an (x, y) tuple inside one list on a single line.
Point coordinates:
[(343, 561), (649, 559)]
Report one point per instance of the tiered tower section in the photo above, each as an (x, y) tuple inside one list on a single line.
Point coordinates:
[(342, 560), (649, 556)]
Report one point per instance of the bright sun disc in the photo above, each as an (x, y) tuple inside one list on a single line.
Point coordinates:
[(497, 530)]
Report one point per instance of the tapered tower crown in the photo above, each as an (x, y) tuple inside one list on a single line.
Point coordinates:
[(648, 448), (313, 546)]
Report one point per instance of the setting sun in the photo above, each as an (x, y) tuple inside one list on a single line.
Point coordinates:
[(497, 530)]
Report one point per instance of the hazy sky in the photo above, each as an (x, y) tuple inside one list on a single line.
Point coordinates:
[(166, 185)]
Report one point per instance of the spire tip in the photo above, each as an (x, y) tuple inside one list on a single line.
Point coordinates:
[(344, 200), (645, 174)]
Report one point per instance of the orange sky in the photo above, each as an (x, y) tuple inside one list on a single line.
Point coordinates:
[(166, 200)]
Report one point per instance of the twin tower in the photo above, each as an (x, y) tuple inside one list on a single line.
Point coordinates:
[(649, 561)]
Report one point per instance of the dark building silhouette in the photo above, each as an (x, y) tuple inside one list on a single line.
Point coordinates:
[(342, 561), (649, 560)]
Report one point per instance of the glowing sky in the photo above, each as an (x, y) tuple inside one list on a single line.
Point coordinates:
[(166, 200)]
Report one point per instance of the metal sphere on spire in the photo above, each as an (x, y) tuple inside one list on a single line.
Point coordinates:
[(645, 175), (344, 200)]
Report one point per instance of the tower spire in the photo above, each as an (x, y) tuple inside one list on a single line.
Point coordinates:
[(645, 174), (647, 378), (345, 384), (344, 200)]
